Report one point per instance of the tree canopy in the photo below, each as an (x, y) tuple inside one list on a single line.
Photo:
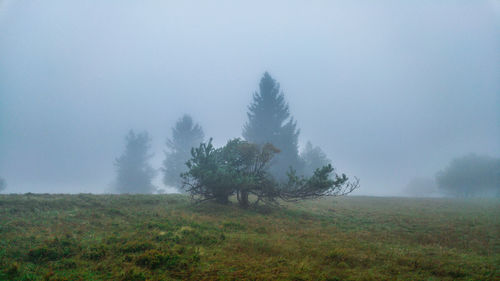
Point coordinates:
[(134, 173), (470, 175), (241, 168), (269, 121), (185, 135)]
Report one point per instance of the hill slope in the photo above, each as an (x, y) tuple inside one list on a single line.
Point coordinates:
[(163, 237)]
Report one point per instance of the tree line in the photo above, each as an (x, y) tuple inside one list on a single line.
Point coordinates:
[(470, 175), (265, 165)]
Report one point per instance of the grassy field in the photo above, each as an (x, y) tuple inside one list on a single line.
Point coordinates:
[(164, 237)]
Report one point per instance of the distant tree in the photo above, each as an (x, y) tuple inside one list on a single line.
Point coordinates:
[(421, 187), (241, 168), (313, 158), (3, 184), (470, 175), (134, 173), (269, 121), (185, 136)]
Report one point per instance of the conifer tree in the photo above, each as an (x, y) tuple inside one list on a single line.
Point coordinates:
[(134, 173), (185, 135), (269, 121), (240, 168)]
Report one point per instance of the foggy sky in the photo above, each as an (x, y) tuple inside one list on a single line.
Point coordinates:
[(390, 90)]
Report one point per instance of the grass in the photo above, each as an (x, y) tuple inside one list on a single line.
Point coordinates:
[(165, 237)]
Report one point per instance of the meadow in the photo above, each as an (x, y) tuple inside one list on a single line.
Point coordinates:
[(166, 237)]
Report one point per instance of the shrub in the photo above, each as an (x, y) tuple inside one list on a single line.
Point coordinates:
[(241, 168)]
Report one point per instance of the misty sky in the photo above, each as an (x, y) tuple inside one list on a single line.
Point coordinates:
[(390, 90)]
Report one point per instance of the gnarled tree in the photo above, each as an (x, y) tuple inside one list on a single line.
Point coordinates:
[(241, 168)]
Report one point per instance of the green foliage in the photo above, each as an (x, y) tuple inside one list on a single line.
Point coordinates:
[(323, 182), (208, 175), (269, 121), (237, 168), (241, 168), (134, 173), (185, 136), (471, 175)]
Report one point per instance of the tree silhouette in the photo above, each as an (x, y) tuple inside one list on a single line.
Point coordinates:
[(470, 175), (314, 158), (269, 121), (134, 173), (185, 135)]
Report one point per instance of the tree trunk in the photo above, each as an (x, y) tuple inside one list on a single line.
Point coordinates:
[(222, 199), (243, 199)]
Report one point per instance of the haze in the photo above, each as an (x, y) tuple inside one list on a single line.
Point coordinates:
[(390, 90)]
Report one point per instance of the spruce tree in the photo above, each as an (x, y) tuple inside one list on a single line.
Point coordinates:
[(134, 173), (269, 121), (185, 135)]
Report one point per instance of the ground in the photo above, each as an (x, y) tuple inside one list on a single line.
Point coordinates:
[(165, 237)]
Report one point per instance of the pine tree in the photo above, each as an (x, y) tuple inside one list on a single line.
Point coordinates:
[(134, 173), (269, 121), (240, 168), (185, 135)]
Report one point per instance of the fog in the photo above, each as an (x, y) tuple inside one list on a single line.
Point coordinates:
[(390, 90)]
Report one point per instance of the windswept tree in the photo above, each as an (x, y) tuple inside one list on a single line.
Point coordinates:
[(470, 175), (241, 168), (134, 173), (314, 158), (185, 135), (3, 184), (269, 121)]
